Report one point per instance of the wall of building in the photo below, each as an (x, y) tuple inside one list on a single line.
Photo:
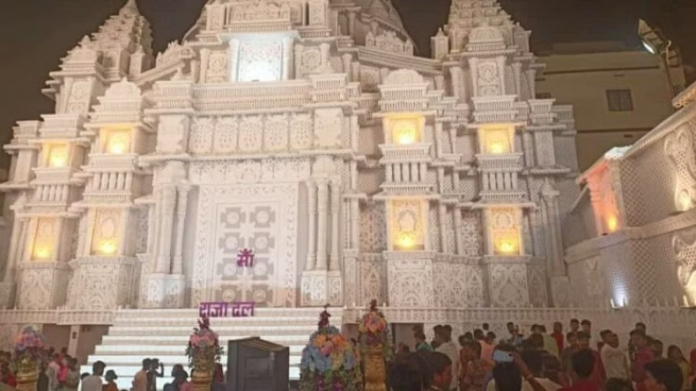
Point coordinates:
[(583, 80), (647, 254)]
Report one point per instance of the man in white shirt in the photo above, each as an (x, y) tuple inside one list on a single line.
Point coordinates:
[(615, 359), (94, 382), (443, 334), (52, 372)]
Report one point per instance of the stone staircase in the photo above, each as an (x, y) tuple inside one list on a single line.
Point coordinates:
[(163, 334)]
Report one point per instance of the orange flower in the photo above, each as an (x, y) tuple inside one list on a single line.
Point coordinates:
[(320, 340)]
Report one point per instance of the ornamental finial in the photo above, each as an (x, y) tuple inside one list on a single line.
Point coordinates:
[(373, 305), (204, 323)]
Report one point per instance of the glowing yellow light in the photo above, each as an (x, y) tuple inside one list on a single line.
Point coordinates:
[(58, 157), (685, 202), (612, 223), (108, 247), (496, 148), (117, 148), (507, 246), (42, 253), (407, 138), (119, 143), (406, 241)]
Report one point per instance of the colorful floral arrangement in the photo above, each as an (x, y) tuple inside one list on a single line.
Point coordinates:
[(328, 361), (374, 331), (29, 346), (203, 348)]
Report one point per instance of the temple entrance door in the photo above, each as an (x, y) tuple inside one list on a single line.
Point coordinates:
[(260, 217)]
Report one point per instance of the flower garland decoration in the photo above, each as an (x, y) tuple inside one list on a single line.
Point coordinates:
[(328, 361), (374, 331), (29, 346), (203, 349)]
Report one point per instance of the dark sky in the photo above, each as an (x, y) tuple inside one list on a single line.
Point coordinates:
[(37, 33)]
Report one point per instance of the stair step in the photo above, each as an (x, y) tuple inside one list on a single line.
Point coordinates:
[(221, 330), (159, 351)]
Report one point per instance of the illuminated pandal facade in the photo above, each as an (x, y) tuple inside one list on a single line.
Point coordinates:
[(308, 131)]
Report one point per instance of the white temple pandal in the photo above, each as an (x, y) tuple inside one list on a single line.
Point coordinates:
[(354, 170), (416, 177)]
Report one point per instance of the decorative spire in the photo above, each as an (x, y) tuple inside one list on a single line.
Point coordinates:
[(373, 305), (324, 318), (131, 8)]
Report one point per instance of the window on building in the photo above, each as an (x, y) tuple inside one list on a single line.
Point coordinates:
[(543, 95), (619, 100)]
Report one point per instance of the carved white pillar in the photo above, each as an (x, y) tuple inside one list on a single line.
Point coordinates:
[(517, 70), (442, 214), (335, 209), (440, 82), (347, 61), (354, 133), (166, 222), (355, 223), (151, 228), (298, 60), (459, 242), (10, 268), (351, 23), (438, 139), (325, 48), (312, 236), (182, 204), (323, 209), (531, 82), (205, 58), (456, 75), (288, 60), (354, 175), (234, 59), (553, 232)]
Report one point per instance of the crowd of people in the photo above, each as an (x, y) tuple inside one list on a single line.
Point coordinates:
[(60, 372), (541, 361)]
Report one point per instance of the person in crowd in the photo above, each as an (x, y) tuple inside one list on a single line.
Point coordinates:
[(402, 348), (642, 327), (449, 348), (692, 361), (94, 381), (52, 372), (181, 382), (583, 363), (435, 343), (410, 372), (490, 338), (6, 375), (552, 368), (663, 375), (512, 376), (604, 337), (469, 336), (474, 369), (486, 327), (558, 335), (574, 325), (440, 369), (110, 378), (675, 354), (643, 356), (486, 348), (657, 347), (156, 370), (219, 379), (533, 359), (598, 373), (42, 382), (72, 380), (550, 344), (140, 378), (586, 326), (421, 344), (84, 375), (515, 337), (614, 384), (614, 359)]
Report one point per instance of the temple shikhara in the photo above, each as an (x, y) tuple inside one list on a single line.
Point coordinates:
[(310, 134)]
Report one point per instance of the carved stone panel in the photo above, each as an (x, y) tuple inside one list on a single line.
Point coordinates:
[(258, 217), (508, 285), (410, 283)]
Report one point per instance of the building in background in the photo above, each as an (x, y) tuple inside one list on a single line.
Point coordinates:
[(618, 94)]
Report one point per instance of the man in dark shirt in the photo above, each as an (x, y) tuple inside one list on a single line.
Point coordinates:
[(552, 368), (583, 363)]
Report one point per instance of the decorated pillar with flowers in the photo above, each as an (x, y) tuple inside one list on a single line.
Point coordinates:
[(29, 351), (375, 347), (203, 353), (328, 361)]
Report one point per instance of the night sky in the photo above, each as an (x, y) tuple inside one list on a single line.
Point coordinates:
[(37, 33)]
